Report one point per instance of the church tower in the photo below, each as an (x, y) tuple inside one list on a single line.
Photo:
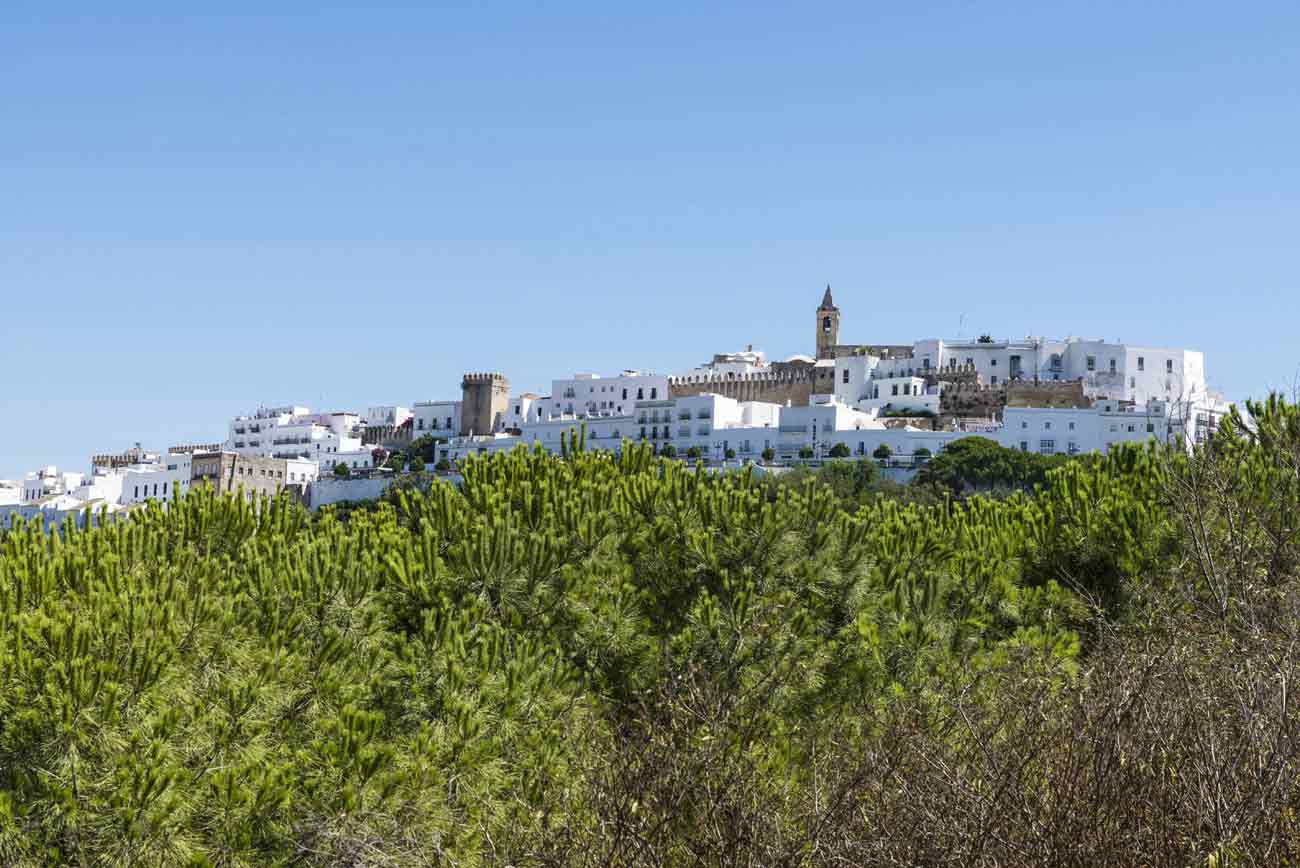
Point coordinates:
[(828, 326)]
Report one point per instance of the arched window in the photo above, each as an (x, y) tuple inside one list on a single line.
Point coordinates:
[(826, 324), (640, 393), (654, 393)]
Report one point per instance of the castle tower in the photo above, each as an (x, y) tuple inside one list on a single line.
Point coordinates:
[(828, 326), (485, 399)]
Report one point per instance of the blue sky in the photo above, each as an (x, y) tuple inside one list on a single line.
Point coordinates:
[(345, 205)]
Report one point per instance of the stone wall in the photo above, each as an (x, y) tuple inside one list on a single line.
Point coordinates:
[(981, 400)]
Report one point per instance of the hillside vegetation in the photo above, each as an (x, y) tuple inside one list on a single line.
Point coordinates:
[(620, 661)]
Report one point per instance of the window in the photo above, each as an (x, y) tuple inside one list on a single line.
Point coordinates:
[(1024, 445), (1130, 429), (993, 362), (1024, 423), (1142, 363), (826, 324), (1132, 382), (1092, 363), (164, 489), (846, 375), (1047, 447), (993, 380), (1047, 426), (625, 394), (640, 394), (1112, 366), (419, 424), (895, 389), (137, 492), (1169, 366), (1150, 428), (654, 393), (1071, 426)]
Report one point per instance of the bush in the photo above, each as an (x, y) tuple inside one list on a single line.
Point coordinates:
[(769, 455), (882, 452), (668, 451), (694, 453), (730, 454), (840, 450), (805, 452), (443, 465), (342, 471)]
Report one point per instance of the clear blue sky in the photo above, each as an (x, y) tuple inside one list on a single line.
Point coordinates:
[(344, 205)]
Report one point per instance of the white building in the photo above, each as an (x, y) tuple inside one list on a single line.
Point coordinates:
[(1108, 370), (585, 395), (328, 439), (48, 482), (436, 418), (387, 415)]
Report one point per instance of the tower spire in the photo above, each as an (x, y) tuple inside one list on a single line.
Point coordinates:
[(827, 303)]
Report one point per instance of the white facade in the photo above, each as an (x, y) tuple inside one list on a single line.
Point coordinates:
[(436, 418), (296, 432), (1107, 370), (48, 482), (522, 409), (387, 415), (585, 395), (164, 480)]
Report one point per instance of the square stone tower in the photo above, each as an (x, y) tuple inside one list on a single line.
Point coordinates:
[(828, 326), (485, 398)]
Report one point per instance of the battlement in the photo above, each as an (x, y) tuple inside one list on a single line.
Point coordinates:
[(483, 377)]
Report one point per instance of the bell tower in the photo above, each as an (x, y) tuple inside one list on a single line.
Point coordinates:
[(828, 326)]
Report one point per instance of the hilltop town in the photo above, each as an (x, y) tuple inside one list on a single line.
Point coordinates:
[(897, 404)]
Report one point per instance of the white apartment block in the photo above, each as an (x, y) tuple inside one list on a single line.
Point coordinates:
[(586, 395), (328, 439)]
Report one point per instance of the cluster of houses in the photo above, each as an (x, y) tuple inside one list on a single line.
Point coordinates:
[(908, 402)]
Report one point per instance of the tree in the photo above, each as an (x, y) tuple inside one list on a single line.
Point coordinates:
[(415, 462), (425, 446), (981, 464), (730, 454), (342, 471), (882, 452), (984, 339), (920, 454), (840, 450), (443, 465), (806, 452), (769, 455), (694, 453), (669, 451)]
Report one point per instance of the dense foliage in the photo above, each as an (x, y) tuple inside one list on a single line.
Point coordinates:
[(622, 660)]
